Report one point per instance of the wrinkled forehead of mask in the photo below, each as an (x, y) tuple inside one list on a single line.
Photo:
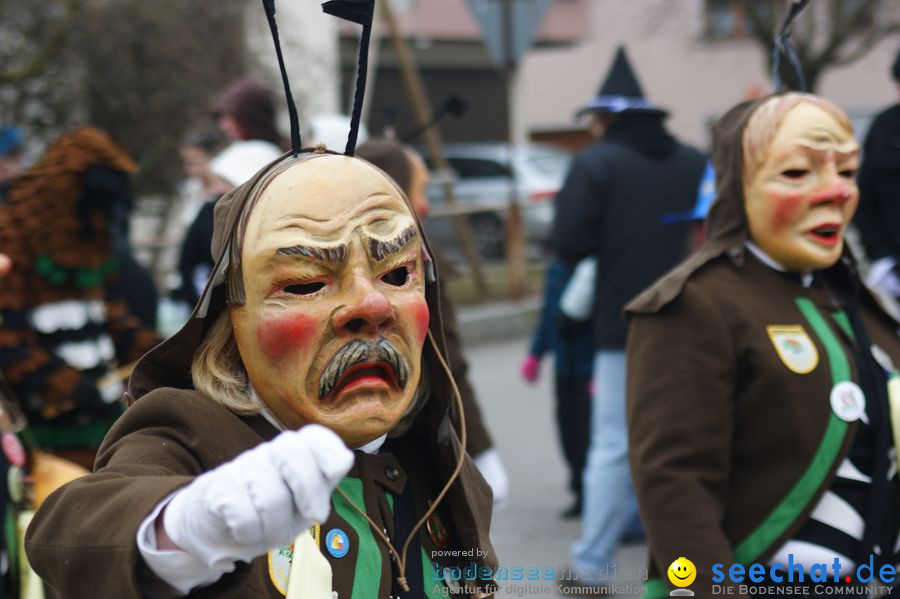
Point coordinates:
[(319, 200), (766, 120)]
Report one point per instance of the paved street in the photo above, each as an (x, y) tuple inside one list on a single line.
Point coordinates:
[(529, 533)]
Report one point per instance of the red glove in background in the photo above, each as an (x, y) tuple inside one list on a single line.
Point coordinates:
[(530, 369)]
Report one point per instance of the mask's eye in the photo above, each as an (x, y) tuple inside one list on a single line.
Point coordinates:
[(795, 173), (304, 288), (397, 277), (848, 173)]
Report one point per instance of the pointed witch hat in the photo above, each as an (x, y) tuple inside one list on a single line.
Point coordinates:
[(620, 91)]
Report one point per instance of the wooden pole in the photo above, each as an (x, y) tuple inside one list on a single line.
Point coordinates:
[(515, 234), (422, 111)]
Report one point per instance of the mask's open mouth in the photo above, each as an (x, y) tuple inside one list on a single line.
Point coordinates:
[(362, 375), (826, 234)]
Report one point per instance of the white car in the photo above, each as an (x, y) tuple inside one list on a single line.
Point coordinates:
[(485, 176)]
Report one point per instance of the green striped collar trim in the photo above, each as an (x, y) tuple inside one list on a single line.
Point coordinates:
[(367, 572), (799, 497)]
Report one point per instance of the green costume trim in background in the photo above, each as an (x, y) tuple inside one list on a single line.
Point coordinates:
[(84, 278), (48, 435)]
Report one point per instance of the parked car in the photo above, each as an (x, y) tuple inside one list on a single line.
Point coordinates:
[(485, 176)]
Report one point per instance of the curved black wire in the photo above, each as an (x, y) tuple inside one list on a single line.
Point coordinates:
[(454, 105), (784, 46)]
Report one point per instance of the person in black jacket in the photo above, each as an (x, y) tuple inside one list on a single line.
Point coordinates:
[(611, 206), (878, 216)]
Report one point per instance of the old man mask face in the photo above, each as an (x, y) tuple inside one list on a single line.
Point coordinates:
[(334, 319), (801, 193)]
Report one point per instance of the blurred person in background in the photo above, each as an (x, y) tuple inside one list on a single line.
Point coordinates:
[(229, 169), (133, 281), (198, 150), (12, 157), (245, 111), (878, 217), (611, 207), (66, 325), (408, 169), (571, 343), (706, 194)]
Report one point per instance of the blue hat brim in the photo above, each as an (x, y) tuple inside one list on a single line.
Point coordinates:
[(619, 105)]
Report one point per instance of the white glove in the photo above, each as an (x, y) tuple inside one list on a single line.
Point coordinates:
[(491, 468), (260, 500), (883, 277)]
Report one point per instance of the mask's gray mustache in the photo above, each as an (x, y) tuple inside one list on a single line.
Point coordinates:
[(358, 351)]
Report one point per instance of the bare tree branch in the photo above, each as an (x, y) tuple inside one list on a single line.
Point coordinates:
[(47, 51), (851, 31)]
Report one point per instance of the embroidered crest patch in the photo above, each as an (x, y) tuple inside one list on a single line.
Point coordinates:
[(280, 562), (794, 346), (280, 567)]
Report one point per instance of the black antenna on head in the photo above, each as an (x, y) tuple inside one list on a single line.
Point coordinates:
[(361, 12), (784, 46), (269, 5)]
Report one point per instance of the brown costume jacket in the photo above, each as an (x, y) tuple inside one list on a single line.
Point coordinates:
[(721, 429), (171, 436)]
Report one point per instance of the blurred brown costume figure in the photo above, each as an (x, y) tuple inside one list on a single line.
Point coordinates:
[(758, 396), (65, 324)]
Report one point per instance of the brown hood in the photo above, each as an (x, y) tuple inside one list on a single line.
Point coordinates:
[(169, 365), (726, 223)]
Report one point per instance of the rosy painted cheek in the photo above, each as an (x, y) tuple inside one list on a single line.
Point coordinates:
[(423, 317), (283, 336), (788, 209)]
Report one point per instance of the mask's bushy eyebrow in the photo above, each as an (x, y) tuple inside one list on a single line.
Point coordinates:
[(379, 250), (332, 255)]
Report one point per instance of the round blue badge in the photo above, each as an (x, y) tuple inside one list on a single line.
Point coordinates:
[(337, 542)]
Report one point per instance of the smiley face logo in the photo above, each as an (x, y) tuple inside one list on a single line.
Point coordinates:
[(682, 572)]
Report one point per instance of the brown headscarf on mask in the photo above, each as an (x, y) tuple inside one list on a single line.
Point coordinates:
[(726, 224)]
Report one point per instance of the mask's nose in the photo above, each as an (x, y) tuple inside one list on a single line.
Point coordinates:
[(836, 187), (368, 312)]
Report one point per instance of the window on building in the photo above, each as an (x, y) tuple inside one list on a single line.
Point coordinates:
[(731, 19), (726, 19)]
